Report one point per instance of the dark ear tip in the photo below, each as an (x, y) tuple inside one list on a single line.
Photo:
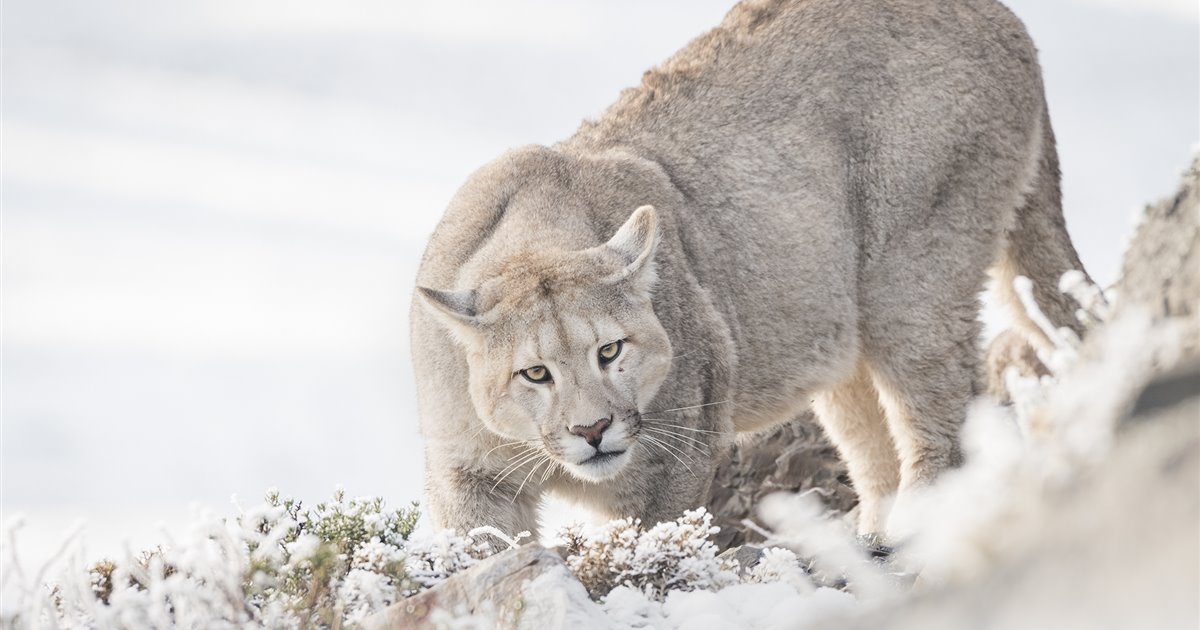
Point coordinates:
[(429, 295), (458, 304)]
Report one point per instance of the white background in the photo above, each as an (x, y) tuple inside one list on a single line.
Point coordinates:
[(213, 212)]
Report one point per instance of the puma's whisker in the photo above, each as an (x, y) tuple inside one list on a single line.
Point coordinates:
[(659, 422), (514, 467), (719, 402), (674, 447), (662, 445), (549, 470), (526, 448), (500, 446), (543, 460), (683, 439)]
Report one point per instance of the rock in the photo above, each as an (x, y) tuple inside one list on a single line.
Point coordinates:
[(1174, 388), (1162, 264), (745, 555), (519, 588), (792, 457)]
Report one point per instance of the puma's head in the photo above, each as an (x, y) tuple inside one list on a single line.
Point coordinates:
[(564, 348)]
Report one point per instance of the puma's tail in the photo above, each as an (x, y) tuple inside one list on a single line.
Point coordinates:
[(1039, 248)]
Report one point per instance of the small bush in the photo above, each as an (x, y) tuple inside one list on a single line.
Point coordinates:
[(675, 555)]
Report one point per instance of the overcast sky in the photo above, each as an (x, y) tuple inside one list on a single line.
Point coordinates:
[(213, 212)]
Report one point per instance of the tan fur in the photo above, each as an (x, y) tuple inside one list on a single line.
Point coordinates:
[(857, 424)]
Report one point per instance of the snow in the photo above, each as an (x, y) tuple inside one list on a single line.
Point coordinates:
[(556, 599), (768, 605), (772, 605), (782, 566)]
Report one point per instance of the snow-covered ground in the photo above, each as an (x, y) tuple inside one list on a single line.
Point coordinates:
[(213, 212), (1065, 514)]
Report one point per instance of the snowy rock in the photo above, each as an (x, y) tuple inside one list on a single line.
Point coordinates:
[(1115, 548), (1162, 264)]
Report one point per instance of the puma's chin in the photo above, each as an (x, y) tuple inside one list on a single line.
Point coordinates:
[(600, 466)]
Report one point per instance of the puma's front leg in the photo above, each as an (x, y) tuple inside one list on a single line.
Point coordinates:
[(465, 495), (671, 473), (681, 488)]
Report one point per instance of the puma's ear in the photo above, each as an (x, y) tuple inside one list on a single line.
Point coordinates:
[(455, 309), (635, 244)]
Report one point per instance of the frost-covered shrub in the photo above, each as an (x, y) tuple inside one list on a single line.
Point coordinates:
[(675, 555), (780, 565), (337, 560), (280, 564), (433, 559)]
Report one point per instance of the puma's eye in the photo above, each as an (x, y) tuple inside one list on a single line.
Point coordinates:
[(536, 374), (610, 351)]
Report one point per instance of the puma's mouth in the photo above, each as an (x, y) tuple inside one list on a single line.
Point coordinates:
[(601, 466), (600, 458)]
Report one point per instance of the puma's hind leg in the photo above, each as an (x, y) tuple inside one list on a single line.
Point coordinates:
[(855, 422), (923, 355), (921, 345)]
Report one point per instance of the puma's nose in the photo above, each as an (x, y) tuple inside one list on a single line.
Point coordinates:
[(592, 433)]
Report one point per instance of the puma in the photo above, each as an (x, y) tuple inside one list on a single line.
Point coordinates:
[(799, 208)]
